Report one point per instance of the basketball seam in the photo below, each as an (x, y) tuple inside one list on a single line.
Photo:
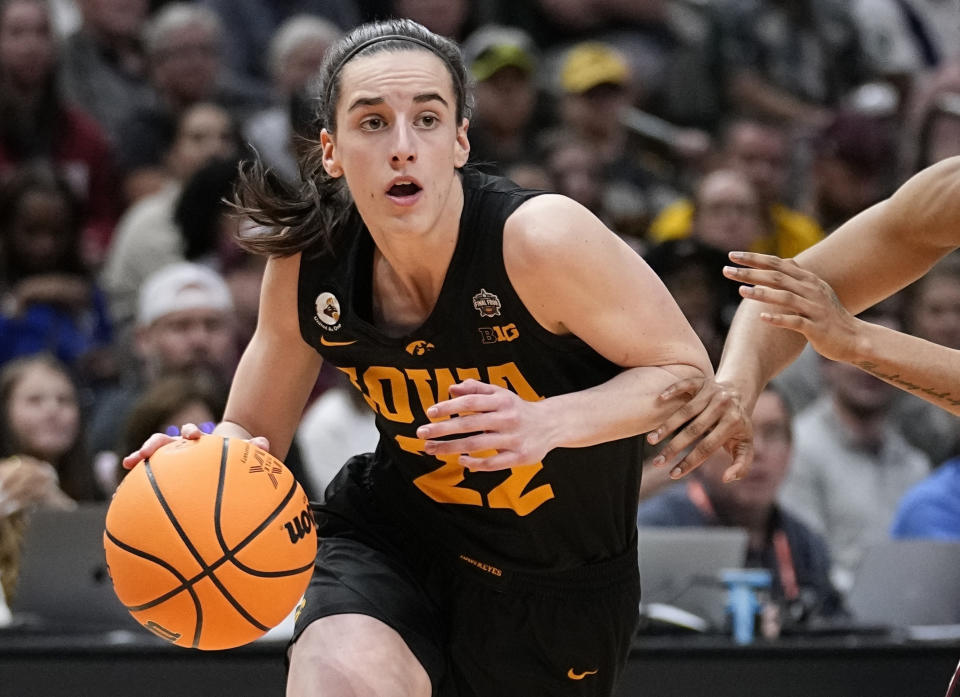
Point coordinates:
[(183, 537), (185, 584)]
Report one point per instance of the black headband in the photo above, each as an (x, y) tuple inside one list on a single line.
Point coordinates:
[(379, 39)]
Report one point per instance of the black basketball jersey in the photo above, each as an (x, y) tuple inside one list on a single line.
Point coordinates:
[(576, 507)]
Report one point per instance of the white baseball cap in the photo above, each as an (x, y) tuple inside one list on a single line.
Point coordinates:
[(182, 286)]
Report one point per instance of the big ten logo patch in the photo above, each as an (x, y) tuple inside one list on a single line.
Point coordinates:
[(493, 335)]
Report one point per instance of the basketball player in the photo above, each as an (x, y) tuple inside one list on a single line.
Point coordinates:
[(512, 348), (816, 296)]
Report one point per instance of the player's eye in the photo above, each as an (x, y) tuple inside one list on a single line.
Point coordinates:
[(428, 121), (372, 123)]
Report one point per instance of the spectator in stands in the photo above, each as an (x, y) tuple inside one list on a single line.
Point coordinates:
[(455, 19), (596, 90), (184, 324), (761, 151), (851, 462), (43, 461), (728, 214), (510, 112), (104, 69), (208, 230), (637, 25), (690, 270), (295, 53), (51, 303), (854, 165), (791, 60), (940, 131), (183, 46), (903, 39), (931, 508), (36, 123), (797, 557), (147, 236), (249, 26)]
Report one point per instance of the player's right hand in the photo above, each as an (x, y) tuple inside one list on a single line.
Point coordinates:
[(713, 418), (188, 431)]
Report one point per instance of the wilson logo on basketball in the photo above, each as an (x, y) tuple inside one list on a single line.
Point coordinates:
[(272, 470), (418, 348), (299, 526)]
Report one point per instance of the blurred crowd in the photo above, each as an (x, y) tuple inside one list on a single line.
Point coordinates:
[(690, 127)]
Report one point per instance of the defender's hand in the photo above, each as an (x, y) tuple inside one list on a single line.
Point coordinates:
[(803, 302), (715, 418)]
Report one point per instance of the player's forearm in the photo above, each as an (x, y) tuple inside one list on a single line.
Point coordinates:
[(626, 405), (913, 364), (755, 352)]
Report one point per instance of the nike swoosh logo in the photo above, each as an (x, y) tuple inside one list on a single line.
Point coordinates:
[(580, 676), (323, 340)]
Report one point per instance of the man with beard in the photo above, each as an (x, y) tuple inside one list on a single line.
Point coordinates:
[(184, 324), (851, 463)]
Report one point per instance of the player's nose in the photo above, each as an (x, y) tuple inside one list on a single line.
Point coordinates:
[(404, 144)]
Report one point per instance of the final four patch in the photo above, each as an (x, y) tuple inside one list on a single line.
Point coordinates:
[(487, 304)]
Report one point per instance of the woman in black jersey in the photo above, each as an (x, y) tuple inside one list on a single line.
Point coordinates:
[(512, 347)]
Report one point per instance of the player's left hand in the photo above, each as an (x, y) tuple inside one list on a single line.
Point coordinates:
[(503, 428)]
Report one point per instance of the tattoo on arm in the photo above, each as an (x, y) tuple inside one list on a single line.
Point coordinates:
[(895, 379)]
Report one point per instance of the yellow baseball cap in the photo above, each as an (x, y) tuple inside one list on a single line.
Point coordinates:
[(589, 64), (492, 48)]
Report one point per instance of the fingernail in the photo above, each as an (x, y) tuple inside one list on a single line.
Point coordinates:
[(659, 461), (736, 255), (731, 270), (432, 411), (653, 437), (676, 473)]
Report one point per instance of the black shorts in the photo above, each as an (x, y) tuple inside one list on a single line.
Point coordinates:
[(477, 634)]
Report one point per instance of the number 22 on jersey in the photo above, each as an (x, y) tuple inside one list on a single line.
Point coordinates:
[(442, 484)]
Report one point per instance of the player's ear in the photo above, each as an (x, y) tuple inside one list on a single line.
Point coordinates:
[(330, 161), (462, 146)]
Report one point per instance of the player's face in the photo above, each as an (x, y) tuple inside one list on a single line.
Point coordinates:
[(43, 412), (397, 141)]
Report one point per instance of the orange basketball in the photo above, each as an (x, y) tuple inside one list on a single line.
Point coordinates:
[(210, 543)]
